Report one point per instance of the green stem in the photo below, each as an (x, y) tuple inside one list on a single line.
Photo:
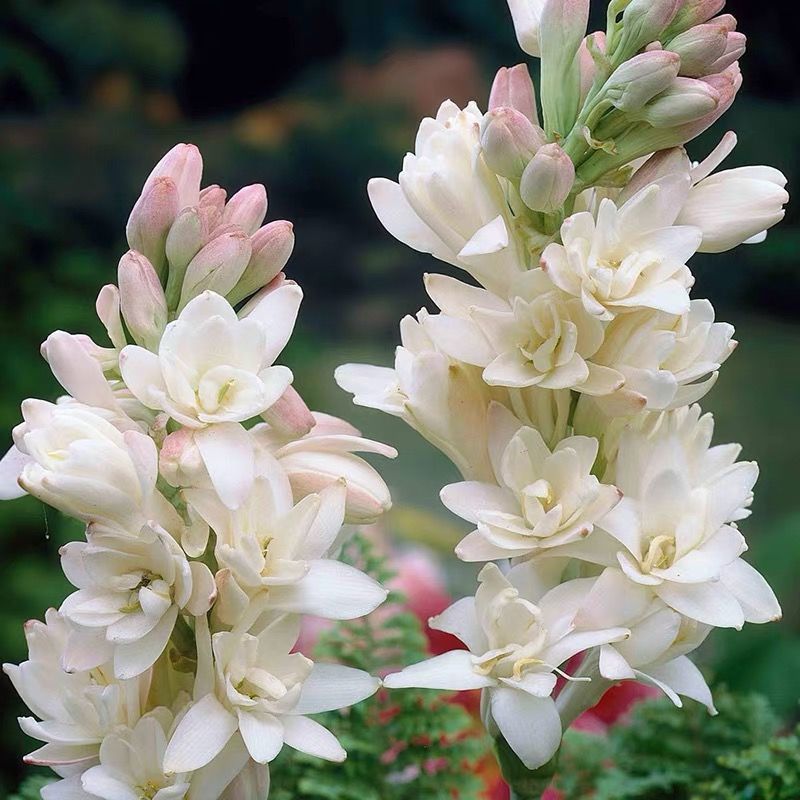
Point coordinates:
[(525, 784)]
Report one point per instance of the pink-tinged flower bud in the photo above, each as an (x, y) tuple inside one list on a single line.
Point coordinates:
[(699, 48), (184, 240), (673, 161), (509, 140), (687, 99), (183, 165), (290, 416), (247, 208), (594, 43), (217, 267), (142, 300), (179, 460), (645, 21), (107, 307), (272, 246), (513, 88), (151, 219), (727, 85), (211, 206), (548, 179), (527, 15), (641, 78), (735, 48), (695, 12)]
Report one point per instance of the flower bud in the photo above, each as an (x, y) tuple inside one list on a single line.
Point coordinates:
[(673, 161), (548, 179), (513, 88), (107, 307), (644, 21), (151, 219), (735, 47), (211, 206), (563, 28), (184, 241), (183, 165), (527, 15), (695, 12), (687, 99), (142, 300), (592, 45), (641, 78), (247, 208), (180, 462), (217, 267), (272, 246), (289, 416), (699, 48), (509, 141)]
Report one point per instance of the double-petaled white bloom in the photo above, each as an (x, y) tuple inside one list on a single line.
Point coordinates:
[(628, 257), (74, 458), (131, 764), (262, 692), (275, 553), (541, 498), (448, 202), (540, 337), (211, 367), (130, 590), (667, 361), (518, 634), (76, 709), (674, 530), (442, 398)]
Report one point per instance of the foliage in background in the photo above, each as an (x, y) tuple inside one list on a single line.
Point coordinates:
[(665, 753)]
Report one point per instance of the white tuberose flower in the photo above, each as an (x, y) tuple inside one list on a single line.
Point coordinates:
[(130, 589), (131, 763), (517, 634), (76, 460), (447, 202), (541, 337), (211, 367), (276, 550), (263, 692), (674, 527), (629, 257), (77, 709), (542, 499)]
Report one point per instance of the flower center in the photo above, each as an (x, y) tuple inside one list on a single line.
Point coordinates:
[(660, 553)]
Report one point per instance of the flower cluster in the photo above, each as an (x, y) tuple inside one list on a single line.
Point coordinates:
[(562, 378), (214, 503)]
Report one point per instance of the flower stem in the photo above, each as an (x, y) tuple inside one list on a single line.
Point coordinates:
[(525, 784)]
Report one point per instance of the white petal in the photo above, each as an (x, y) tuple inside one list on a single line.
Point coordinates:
[(754, 594), (201, 735), (211, 780), (11, 467), (530, 725), (310, 737), (262, 734), (712, 603), (276, 311), (613, 666), (331, 590), (141, 371), (467, 498), (133, 659), (453, 670), (683, 677), (461, 620), (333, 686), (227, 452), (101, 782)]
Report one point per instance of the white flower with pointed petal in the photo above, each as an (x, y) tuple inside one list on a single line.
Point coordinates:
[(277, 551), (76, 709), (325, 455), (211, 367), (447, 202), (629, 257), (674, 531), (667, 361), (518, 634), (74, 458), (263, 692), (131, 763), (542, 337), (542, 498), (656, 651), (130, 590)]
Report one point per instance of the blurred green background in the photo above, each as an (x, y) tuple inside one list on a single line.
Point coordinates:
[(313, 98)]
